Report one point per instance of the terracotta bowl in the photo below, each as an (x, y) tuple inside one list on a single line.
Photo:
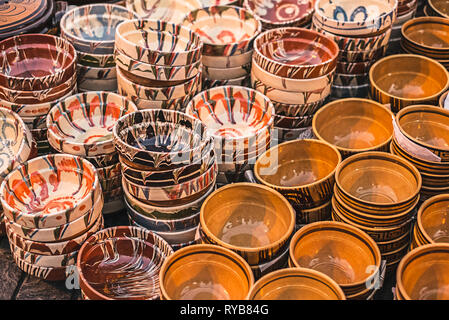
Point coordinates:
[(224, 30), (114, 259), (177, 104), (36, 62), (431, 219), (205, 272), (296, 284), (50, 191), (421, 274), (82, 124), (227, 61), (444, 101), (103, 160), (158, 42), (302, 171), (298, 110), (31, 110), (91, 28), (141, 138), (440, 7), (259, 232), (244, 81), (295, 53), (405, 79), (354, 125)]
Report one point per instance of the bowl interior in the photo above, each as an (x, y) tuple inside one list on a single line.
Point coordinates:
[(12, 138), (441, 5), (428, 33), (435, 222), (350, 11), (280, 11)]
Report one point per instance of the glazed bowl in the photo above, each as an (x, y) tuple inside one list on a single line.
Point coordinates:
[(223, 74), (354, 125), (298, 110), (431, 219), (296, 284), (91, 28), (440, 7), (165, 10), (96, 60), (158, 42), (82, 124), (115, 257), (295, 53), (406, 79), (205, 272), (259, 231), (301, 170), (224, 30), (227, 61), (94, 73), (444, 100), (36, 62)]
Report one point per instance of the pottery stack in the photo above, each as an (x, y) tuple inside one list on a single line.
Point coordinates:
[(52, 204), (168, 168), (378, 193), (406, 12), (362, 33), (437, 8), (158, 63), (294, 68), (228, 34), (36, 71), (91, 30)]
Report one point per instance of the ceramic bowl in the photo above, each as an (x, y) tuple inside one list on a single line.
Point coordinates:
[(179, 237), (177, 104), (279, 262), (86, 85), (233, 61), (115, 257), (158, 42), (96, 60), (36, 62), (344, 17), (91, 28), (321, 213), (276, 51), (350, 80), (440, 7), (82, 124), (302, 171), (84, 72), (205, 272), (241, 82), (224, 30), (421, 273), (292, 122), (363, 56), (354, 125), (259, 232), (296, 284), (298, 110), (405, 79), (444, 100), (50, 190), (431, 219), (222, 74), (342, 92)]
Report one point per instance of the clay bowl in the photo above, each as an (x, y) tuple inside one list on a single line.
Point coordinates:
[(431, 219), (158, 42), (93, 73), (298, 110), (292, 122), (444, 101), (104, 160), (160, 139), (96, 60), (350, 80), (205, 272), (227, 61), (82, 124), (224, 30), (344, 17), (115, 257), (302, 171), (210, 83), (354, 125), (440, 7), (338, 250), (363, 56), (91, 28), (49, 191), (296, 284), (421, 273), (343, 92), (426, 126), (222, 74), (295, 53), (177, 104), (272, 220), (406, 79)]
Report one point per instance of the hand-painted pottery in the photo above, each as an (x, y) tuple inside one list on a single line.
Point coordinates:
[(165, 10), (205, 272), (85, 72), (353, 67), (158, 42), (242, 82), (177, 104), (421, 273), (354, 125), (297, 110), (227, 61), (295, 53), (86, 85), (280, 262), (296, 284), (36, 62), (113, 183), (104, 160), (292, 134), (178, 246), (431, 220), (406, 79), (34, 123), (82, 124), (346, 17), (292, 122), (160, 139), (224, 30), (440, 7), (256, 223), (226, 73), (179, 237), (349, 80), (122, 263), (91, 28), (96, 60)]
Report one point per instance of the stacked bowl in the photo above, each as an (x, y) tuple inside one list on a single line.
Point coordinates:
[(91, 30), (240, 120), (228, 34), (427, 36), (362, 33), (378, 192), (294, 68), (438, 8), (158, 63), (406, 11), (81, 125), (168, 168), (422, 138), (36, 71), (52, 204)]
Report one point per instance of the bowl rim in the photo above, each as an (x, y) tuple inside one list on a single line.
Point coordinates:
[(432, 6), (421, 211), (423, 20), (441, 101)]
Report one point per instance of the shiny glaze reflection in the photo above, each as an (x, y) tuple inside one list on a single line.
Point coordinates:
[(428, 131), (409, 84), (431, 282), (430, 35), (31, 67), (435, 221)]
